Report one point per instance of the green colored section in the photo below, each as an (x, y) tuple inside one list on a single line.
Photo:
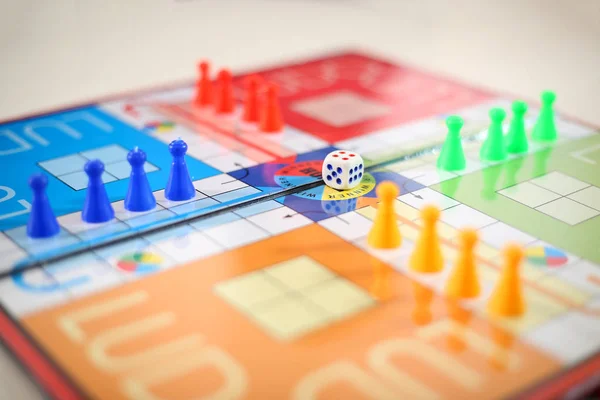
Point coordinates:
[(452, 156), (545, 129), (493, 148), (579, 159), (517, 137)]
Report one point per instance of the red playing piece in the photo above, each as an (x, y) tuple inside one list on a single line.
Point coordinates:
[(204, 85), (270, 116), (224, 102), (251, 112)]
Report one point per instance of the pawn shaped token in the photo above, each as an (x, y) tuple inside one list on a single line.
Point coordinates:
[(452, 156), (224, 102), (463, 282), (517, 138), (42, 223), (545, 128), (139, 196), (507, 298), (180, 186), (96, 207), (271, 120), (385, 233), (493, 148), (427, 255), (251, 111), (203, 85)]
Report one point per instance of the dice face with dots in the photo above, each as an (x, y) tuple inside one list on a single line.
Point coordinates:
[(342, 169), (336, 207)]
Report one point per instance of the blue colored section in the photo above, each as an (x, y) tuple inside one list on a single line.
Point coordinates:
[(263, 176), (552, 252), (24, 144), (309, 203)]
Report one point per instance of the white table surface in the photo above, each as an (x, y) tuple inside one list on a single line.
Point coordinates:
[(60, 52)]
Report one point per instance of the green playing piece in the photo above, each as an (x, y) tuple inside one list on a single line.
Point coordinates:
[(517, 138), (493, 148), (452, 157), (545, 129)]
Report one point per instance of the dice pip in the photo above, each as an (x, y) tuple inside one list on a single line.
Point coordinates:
[(342, 169)]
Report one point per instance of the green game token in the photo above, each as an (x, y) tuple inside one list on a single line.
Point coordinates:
[(517, 137), (545, 129), (452, 157), (493, 148)]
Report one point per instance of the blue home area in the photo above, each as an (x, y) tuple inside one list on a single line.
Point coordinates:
[(59, 145)]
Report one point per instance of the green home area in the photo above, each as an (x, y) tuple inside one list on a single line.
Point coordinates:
[(553, 194)]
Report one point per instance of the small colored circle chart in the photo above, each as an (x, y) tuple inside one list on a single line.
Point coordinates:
[(546, 256), (159, 126), (140, 262)]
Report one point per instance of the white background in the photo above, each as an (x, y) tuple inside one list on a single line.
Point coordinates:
[(60, 52)]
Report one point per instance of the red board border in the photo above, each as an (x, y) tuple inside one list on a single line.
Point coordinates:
[(44, 372)]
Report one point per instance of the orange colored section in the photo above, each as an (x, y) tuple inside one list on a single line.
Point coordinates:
[(507, 297), (174, 335), (385, 233), (427, 255), (463, 282)]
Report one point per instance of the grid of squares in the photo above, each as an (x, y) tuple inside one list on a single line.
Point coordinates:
[(294, 298), (15, 244), (235, 146), (173, 248), (558, 195), (133, 259), (341, 108), (222, 153), (552, 296), (69, 169)]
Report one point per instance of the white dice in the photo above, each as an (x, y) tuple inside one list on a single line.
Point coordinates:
[(342, 169)]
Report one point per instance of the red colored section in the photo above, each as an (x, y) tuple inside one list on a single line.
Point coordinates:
[(251, 111), (42, 370), (204, 85), (224, 102), (405, 93), (128, 266), (568, 382), (270, 116)]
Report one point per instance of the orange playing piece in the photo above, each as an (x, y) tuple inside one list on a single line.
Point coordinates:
[(271, 120), (224, 102), (427, 255), (251, 113), (384, 233), (463, 282), (203, 86), (507, 298)]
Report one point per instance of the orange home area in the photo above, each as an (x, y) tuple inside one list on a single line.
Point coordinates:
[(246, 323)]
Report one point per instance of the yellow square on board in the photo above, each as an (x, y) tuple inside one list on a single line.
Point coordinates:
[(300, 272), (402, 209), (339, 297), (564, 290), (406, 211), (367, 212), (249, 290), (539, 309), (537, 251), (290, 317)]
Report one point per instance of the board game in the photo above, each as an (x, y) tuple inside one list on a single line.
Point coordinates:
[(263, 285)]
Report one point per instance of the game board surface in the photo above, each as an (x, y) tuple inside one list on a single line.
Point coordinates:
[(263, 285)]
